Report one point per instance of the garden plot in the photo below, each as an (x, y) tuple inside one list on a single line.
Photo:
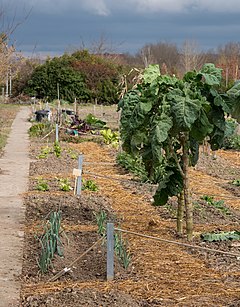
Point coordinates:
[(159, 273)]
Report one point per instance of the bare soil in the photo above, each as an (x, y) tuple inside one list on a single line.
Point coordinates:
[(159, 274)]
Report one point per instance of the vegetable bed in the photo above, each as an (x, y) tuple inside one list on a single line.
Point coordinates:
[(159, 274)]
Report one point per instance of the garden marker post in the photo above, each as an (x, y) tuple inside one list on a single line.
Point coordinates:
[(79, 178), (110, 251), (56, 139)]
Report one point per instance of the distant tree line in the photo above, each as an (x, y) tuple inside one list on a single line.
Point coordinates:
[(98, 76), (80, 75), (175, 60)]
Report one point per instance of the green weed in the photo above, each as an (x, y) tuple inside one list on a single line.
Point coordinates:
[(89, 185), (42, 185), (220, 236), (236, 182), (45, 151), (39, 129), (217, 204), (132, 164), (64, 184), (57, 149)]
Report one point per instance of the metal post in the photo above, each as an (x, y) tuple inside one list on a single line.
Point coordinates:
[(75, 106), (7, 85), (58, 93), (10, 82), (110, 251), (56, 139), (79, 178)]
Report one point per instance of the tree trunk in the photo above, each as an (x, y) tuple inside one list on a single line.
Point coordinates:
[(180, 213), (188, 204)]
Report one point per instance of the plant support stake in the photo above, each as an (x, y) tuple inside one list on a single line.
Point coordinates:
[(79, 178), (56, 133), (110, 251)]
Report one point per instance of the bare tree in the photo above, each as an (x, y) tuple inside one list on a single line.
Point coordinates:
[(191, 58), (147, 56), (229, 61), (9, 58), (166, 55)]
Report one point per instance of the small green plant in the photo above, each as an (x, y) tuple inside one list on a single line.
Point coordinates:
[(101, 218), (64, 184), (231, 138), (94, 121), (236, 182), (220, 236), (89, 185), (39, 129), (110, 137), (50, 242), (132, 164), (73, 155), (45, 151), (121, 250), (120, 245), (57, 149), (217, 204), (42, 185)]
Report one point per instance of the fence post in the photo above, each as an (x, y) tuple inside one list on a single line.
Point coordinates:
[(110, 251), (56, 139), (79, 178)]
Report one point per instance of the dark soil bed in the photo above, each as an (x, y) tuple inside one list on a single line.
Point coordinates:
[(221, 262), (204, 213), (88, 298), (75, 209), (217, 167)]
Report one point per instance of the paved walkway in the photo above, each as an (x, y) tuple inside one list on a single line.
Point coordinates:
[(13, 182)]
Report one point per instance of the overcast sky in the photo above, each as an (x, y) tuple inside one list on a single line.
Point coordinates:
[(56, 26)]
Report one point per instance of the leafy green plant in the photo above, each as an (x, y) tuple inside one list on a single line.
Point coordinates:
[(217, 204), (232, 142), (50, 241), (121, 249), (42, 185), (165, 119), (57, 149), (89, 185), (73, 155), (120, 245), (132, 164), (39, 129), (94, 121), (110, 137), (220, 236), (45, 151), (101, 218), (64, 184), (236, 182)]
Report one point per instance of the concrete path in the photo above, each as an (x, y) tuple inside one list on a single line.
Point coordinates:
[(13, 181)]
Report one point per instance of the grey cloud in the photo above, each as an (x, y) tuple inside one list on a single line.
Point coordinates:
[(143, 7), (57, 25)]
